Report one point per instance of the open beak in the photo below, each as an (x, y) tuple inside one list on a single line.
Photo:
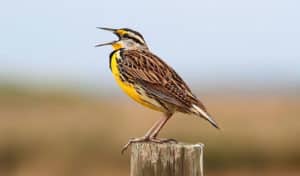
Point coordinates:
[(108, 43), (107, 29), (103, 44)]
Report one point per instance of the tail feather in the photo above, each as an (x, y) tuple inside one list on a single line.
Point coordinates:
[(202, 113)]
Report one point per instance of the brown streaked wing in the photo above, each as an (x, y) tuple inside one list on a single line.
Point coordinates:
[(157, 78)]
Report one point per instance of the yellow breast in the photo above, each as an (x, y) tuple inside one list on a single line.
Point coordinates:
[(129, 88)]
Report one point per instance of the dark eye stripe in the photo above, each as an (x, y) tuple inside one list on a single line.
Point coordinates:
[(133, 38)]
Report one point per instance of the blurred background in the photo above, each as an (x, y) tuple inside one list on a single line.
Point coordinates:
[(62, 114)]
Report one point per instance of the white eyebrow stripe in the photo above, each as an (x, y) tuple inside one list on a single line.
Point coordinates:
[(137, 37)]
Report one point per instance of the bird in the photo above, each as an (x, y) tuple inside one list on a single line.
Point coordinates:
[(150, 81)]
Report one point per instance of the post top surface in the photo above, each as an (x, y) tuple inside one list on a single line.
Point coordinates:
[(169, 144)]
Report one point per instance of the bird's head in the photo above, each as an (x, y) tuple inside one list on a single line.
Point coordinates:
[(127, 39)]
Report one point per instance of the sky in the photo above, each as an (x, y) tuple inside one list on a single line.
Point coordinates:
[(210, 43)]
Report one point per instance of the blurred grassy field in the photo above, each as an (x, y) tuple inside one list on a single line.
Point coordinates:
[(64, 134)]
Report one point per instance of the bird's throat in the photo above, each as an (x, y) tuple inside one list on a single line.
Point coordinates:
[(117, 46)]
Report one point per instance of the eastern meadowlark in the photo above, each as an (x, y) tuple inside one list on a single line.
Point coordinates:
[(147, 79)]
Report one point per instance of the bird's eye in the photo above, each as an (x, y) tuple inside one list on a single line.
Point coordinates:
[(126, 36)]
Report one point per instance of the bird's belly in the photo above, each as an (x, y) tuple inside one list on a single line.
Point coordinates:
[(139, 97)]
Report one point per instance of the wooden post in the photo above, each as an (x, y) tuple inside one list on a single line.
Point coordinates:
[(167, 159)]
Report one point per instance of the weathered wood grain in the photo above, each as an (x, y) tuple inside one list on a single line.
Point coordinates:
[(168, 159)]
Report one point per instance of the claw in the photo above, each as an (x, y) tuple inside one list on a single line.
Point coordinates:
[(134, 140), (125, 147)]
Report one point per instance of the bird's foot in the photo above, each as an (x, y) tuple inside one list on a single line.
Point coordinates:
[(146, 139), (162, 140), (134, 140)]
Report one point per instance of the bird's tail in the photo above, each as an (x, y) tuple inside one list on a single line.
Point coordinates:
[(202, 113)]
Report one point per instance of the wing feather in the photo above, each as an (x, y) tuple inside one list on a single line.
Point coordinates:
[(157, 79)]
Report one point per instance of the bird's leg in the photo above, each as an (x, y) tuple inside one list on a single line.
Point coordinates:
[(147, 136), (153, 135), (156, 124)]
